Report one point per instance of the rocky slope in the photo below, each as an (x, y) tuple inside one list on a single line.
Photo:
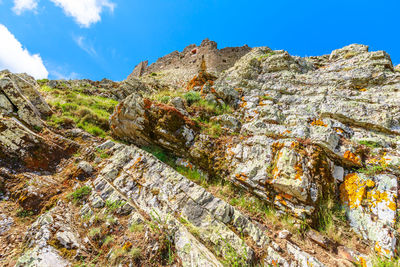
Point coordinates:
[(232, 157)]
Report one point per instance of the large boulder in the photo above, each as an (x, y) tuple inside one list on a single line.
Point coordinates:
[(144, 122)]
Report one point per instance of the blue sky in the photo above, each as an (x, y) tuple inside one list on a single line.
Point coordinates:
[(107, 38)]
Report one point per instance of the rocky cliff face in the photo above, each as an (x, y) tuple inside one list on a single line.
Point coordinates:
[(231, 157)]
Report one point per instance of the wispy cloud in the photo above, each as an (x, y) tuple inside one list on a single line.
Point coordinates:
[(24, 5), (85, 45), (16, 58), (85, 12)]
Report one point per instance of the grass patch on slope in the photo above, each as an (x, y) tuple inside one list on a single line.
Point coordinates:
[(74, 108)]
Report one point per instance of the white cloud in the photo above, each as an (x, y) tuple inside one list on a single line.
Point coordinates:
[(18, 59), (24, 5), (85, 45), (85, 12)]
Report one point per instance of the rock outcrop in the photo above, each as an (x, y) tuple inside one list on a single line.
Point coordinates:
[(231, 157), (306, 124)]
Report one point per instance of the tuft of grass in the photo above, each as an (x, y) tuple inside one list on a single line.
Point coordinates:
[(371, 170), (112, 206), (136, 227), (368, 143), (193, 175), (80, 194), (102, 153), (330, 216), (164, 95)]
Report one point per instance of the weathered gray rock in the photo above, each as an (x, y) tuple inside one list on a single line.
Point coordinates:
[(42, 257)]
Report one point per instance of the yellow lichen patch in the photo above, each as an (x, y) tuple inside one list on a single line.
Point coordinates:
[(352, 157), (363, 89), (392, 205), (376, 197), (127, 246), (353, 190), (370, 183), (318, 122)]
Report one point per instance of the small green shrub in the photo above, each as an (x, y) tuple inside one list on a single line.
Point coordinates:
[(21, 213), (192, 97), (80, 194)]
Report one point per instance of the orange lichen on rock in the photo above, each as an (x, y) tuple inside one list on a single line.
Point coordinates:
[(241, 177), (338, 130), (352, 157), (281, 199), (353, 190), (243, 104), (147, 103), (202, 78), (299, 171), (318, 122)]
